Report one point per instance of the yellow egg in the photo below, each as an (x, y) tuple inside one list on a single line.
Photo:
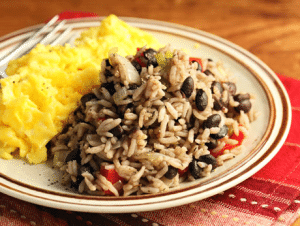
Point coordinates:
[(46, 85)]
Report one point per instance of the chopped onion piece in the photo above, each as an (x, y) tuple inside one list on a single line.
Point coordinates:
[(128, 71)]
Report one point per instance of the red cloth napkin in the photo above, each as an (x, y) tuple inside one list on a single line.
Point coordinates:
[(270, 197), (75, 14)]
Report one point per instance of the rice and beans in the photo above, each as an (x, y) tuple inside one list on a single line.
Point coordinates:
[(158, 118)]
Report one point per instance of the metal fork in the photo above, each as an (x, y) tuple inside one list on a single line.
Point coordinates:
[(32, 41)]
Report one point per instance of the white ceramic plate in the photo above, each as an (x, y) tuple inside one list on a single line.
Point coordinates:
[(40, 183)]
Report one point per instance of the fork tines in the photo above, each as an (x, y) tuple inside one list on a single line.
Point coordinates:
[(32, 41)]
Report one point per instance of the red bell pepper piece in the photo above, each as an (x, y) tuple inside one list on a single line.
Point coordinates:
[(112, 176), (140, 62), (240, 138), (181, 172), (191, 59)]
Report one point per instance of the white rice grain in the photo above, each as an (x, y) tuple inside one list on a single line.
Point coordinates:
[(161, 113), (168, 140), (137, 94), (132, 147), (171, 110), (86, 160), (105, 103), (89, 184), (109, 113), (191, 136), (130, 116), (163, 126), (106, 185)]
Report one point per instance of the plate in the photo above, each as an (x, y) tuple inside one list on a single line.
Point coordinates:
[(39, 184)]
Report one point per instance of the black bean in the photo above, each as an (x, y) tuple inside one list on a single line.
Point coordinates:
[(217, 85), (149, 54), (188, 86), (195, 169), (74, 155), (244, 105), (208, 72), (86, 98), (231, 88), (240, 97), (108, 73), (244, 100), (117, 131), (76, 184), (137, 66), (107, 63), (222, 133), (226, 101), (209, 60), (201, 100), (191, 123), (212, 144), (209, 159), (218, 105), (110, 87), (86, 168), (199, 67), (171, 173), (212, 121), (153, 62)]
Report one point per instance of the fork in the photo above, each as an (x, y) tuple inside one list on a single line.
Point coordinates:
[(32, 41)]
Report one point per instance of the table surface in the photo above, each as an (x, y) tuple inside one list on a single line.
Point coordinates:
[(269, 29)]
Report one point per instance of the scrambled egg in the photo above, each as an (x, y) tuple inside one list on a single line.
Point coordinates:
[(45, 86)]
